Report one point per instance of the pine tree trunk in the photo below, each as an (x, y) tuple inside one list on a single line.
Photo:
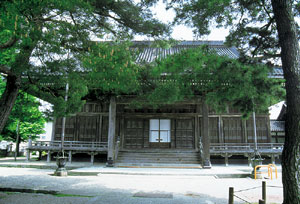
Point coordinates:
[(17, 141), (290, 62), (8, 99)]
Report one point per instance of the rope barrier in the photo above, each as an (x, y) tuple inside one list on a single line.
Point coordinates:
[(233, 193), (242, 199), (247, 189), (275, 186), (243, 190)]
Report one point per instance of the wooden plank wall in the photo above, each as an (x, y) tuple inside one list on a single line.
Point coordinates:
[(213, 130), (232, 130), (91, 124), (83, 128)]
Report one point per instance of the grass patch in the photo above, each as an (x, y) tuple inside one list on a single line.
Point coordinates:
[(10, 193), (71, 195)]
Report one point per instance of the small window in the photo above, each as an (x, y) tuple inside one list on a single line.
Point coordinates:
[(160, 130)]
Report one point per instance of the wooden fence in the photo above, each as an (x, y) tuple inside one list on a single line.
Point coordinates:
[(68, 145), (218, 148)]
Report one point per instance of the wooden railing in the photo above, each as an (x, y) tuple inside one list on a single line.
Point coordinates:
[(68, 145), (245, 147)]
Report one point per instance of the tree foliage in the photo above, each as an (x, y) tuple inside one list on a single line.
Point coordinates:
[(41, 48), (26, 114), (219, 80), (112, 68), (264, 31)]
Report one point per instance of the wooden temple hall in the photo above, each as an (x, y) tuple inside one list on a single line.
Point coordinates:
[(185, 133)]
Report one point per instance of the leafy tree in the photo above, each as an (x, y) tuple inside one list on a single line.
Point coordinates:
[(114, 63), (219, 80), (41, 48), (25, 119), (264, 31)]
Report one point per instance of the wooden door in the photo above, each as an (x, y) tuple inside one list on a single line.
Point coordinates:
[(184, 133), (133, 133)]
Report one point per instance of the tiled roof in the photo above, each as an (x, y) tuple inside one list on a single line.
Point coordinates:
[(277, 126), (149, 53), (277, 73)]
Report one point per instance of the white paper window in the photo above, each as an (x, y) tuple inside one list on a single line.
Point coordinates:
[(160, 130)]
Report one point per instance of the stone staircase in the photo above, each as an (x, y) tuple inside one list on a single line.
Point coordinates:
[(158, 158)]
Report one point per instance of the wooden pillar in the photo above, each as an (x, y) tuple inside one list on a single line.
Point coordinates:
[(249, 160), (245, 137), (111, 131), (264, 192), (92, 158), (100, 128), (49, 156), (231, 195), (197, 135), (273, 158), (197, 125), (226, 160), (28, 155), (220, 126), (122, 129), (70, 156), (40, 155), (205, 136), (53, 129), (29, 142), (28, 149)]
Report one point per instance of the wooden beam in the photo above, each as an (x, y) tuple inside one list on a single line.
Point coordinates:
[(111, 130), (161, 115)]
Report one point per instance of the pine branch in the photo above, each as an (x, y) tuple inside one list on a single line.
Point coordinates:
[(9, 43), (5, 70)]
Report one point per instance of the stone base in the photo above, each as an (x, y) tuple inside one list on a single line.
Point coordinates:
[(110, 162), (258, 174), (207, 164), (61, 172)]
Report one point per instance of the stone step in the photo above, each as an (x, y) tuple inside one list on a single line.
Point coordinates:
[(159, 150), (157, 155), (158, 165), (162, 158), (159, 162), (191, 157)]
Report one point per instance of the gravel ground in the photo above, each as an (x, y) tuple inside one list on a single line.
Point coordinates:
[(135, 189)]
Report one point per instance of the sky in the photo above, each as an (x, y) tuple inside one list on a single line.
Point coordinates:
[(182, 32)]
